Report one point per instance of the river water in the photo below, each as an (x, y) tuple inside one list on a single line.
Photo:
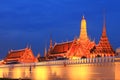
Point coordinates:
[(98, 71)]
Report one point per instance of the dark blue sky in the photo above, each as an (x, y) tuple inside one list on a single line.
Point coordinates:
[(32, 22)]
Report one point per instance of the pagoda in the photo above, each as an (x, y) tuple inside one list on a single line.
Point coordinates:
[(103, 48)]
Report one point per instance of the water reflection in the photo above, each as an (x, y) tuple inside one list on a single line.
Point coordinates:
[(106, 71), (117, 71), (79, 72), (5, 72), (40, 72)]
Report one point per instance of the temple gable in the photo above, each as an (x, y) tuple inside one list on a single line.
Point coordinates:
[(20, 56)]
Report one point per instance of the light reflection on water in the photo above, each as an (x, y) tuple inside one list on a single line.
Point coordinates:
[(117, 71), (40, 72), (105, 71), (79, 72)]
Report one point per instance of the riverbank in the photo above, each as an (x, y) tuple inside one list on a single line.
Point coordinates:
[(13, 79)]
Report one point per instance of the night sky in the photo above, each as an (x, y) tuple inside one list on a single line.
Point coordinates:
[(33, 22)]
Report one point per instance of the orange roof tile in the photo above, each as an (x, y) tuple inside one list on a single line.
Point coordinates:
[(61, 47), (15, 54)]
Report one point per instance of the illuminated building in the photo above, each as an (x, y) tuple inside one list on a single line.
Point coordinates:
[(103, 48), (20, 56), (118, 52), (1, 62), (82, 47)]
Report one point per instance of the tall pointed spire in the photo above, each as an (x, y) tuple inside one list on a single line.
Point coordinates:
[(27, 46), (50, 43), (30, 47), (83, 31), (104, 47), (45, 53), (38, 55), (104, 27)]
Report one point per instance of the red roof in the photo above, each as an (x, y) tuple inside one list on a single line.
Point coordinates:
[(15, 54), (61, 47), (22, 55)]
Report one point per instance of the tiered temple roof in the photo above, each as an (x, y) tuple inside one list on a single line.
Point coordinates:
[(104, 47), (20, 56)]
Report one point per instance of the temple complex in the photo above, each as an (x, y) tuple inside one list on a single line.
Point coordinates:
[(82, 47), (20, 56)]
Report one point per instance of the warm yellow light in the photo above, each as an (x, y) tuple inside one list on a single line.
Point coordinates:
[(75, 57), (17, 72), (40, 73), (57, 70), (79, 72), (4, 72), (1, 72)]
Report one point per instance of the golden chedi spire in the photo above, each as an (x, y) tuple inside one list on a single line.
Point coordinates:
[(83, 30)]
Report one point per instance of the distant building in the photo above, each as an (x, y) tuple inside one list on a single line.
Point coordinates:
[(2, 62), (82, 46), (118, 52), (20, 56)]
